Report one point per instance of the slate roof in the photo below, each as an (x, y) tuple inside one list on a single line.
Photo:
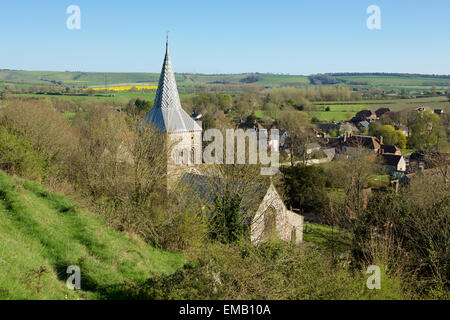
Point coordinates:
[(364, 141), (391, 159), (326, 127), (389, 149), (364, 124), (203, 189), (167, 114)]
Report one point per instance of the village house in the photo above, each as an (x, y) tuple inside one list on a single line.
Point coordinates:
[(347, 127), (363, 124), (327, 127), (364, 115), (366, 142), (390, 149), (420, 160), (250, 126), (422, 108), (394, 163)]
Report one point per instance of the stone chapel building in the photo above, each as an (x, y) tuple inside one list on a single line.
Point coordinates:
[(268, 213)]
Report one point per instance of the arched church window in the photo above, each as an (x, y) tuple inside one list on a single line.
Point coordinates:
[(269, 224)]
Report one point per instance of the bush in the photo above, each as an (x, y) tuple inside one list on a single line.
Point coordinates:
[(409, 237), (17, 156), (45, 129), (305, 187), (270, 271)]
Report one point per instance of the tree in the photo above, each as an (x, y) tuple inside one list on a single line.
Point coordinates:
[(227, 223), (425, 130), (136, 107), (305, 187), (252, 118), (297, 139), (389, 134), (354, 174)]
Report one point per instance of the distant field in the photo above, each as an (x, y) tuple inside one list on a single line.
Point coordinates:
[(93, 79), (337, 112), (119, 97), (397, 104), (331, 115), (398, 81), (76, 78), (123, 88)]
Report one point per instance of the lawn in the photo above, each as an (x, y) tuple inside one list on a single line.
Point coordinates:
[(42, 233), (118, 97), (379, 180), (327, 236)]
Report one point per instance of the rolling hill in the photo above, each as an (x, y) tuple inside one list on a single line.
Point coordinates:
[(97, 79), (42, 233)]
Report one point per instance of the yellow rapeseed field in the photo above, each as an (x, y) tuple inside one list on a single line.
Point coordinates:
[(126, 88)]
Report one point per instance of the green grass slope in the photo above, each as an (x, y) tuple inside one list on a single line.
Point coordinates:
[(115, 78), (42, 233)]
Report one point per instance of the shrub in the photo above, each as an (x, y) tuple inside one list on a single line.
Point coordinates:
[(305, 187), (227, 221), (18, 157), (270, 271), (409, 237)]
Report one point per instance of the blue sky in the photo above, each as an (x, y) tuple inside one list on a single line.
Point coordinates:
[(278, 36)]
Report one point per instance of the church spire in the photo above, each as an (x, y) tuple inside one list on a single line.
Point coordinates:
[(167, 93), (167, 114), (167, 42)]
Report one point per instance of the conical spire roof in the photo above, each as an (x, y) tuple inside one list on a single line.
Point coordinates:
[(167, 114)]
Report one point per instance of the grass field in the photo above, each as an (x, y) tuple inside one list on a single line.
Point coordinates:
[(42, 233), (337, 112), (397, 81), (119, 97), (326, 236), (395, 104), (379, 181), (92, 79)]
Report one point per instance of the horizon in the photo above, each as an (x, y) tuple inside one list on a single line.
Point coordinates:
[(372, 73), (289, 37)]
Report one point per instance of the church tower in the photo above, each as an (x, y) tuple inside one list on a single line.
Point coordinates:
[(183, 134)]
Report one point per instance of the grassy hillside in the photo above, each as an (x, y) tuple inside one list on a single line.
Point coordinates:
[(42, 233), (393, 104), (97, 79), (396, 81), (92, 79)]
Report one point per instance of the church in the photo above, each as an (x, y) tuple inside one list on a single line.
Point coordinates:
[(267, 214)]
